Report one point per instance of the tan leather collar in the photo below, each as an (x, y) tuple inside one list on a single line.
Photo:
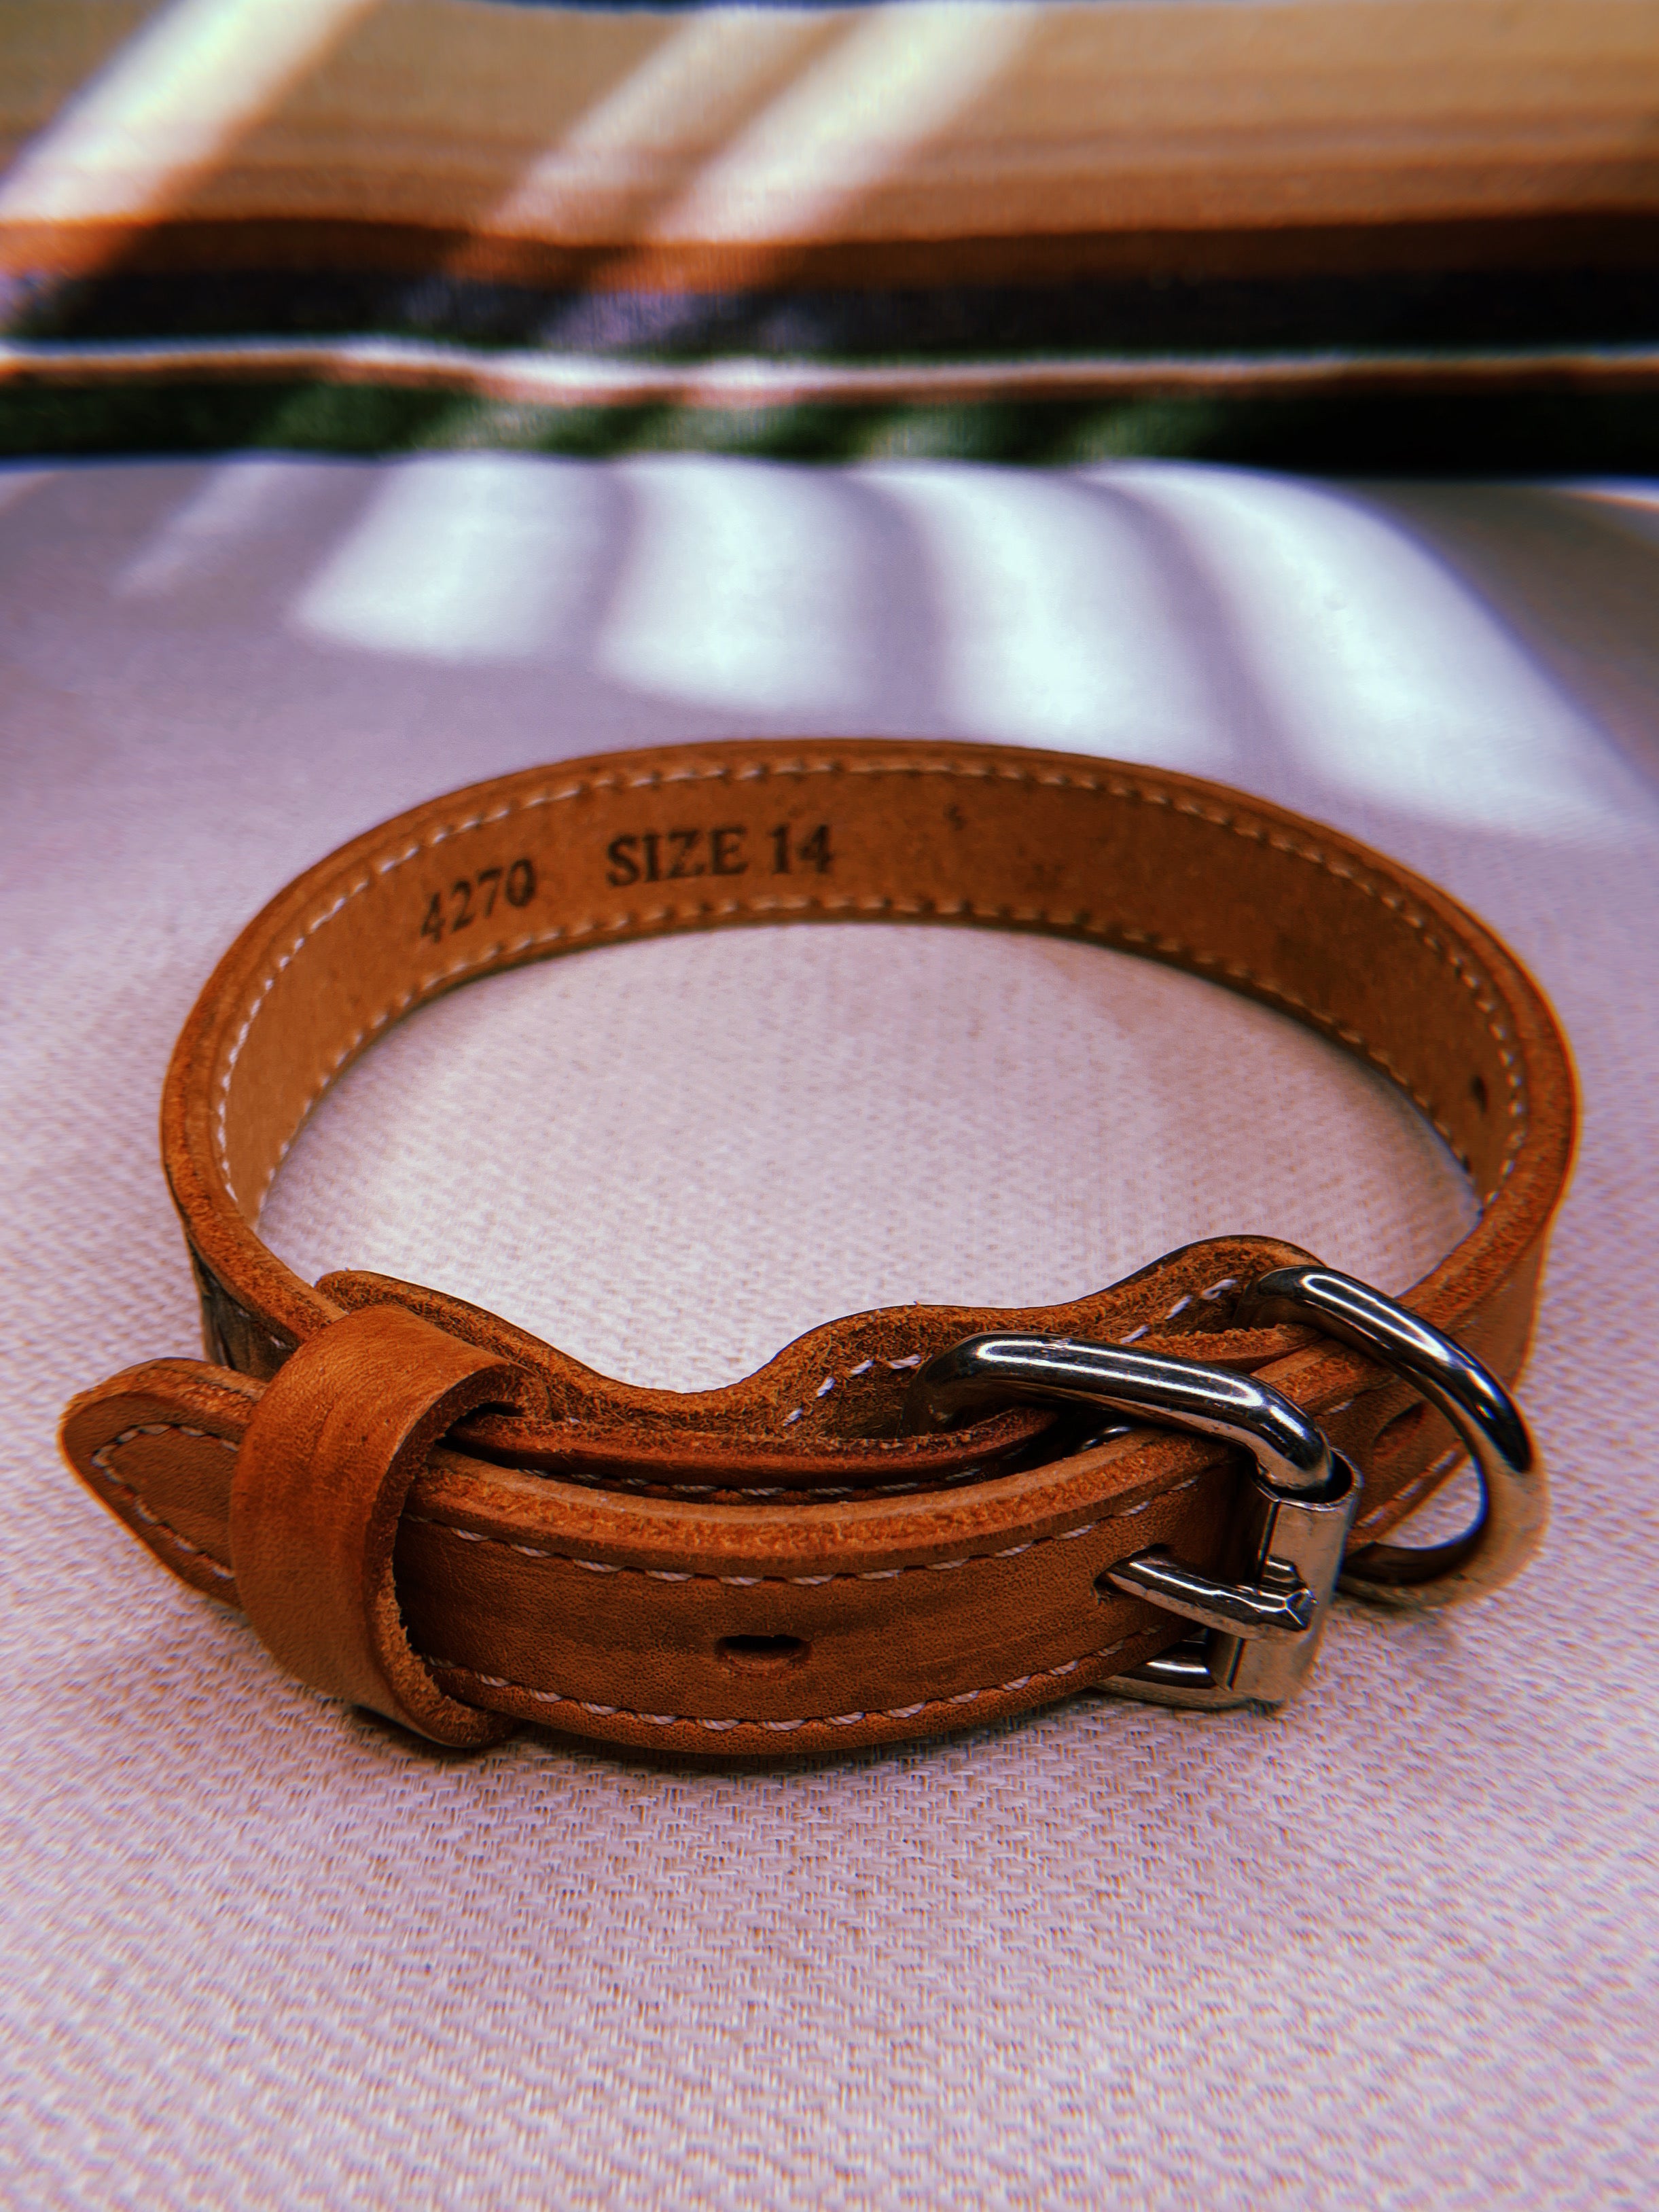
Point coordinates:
[(771, 1566)]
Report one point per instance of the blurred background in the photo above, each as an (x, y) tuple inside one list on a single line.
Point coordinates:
[(1416, 234)]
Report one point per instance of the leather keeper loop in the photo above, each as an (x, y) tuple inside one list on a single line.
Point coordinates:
[(339, 1435)]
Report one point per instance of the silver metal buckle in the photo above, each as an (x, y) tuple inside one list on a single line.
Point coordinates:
[(1260, 1626)]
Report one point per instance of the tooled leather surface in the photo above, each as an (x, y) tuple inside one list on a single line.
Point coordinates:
[(587, 1563)]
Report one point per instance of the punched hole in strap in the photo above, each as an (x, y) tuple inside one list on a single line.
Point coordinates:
[(339, 1436), (761, 1655)]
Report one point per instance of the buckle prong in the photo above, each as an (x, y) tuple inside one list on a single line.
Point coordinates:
[(1281, 1604)]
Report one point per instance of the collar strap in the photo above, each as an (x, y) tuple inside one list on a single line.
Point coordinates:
[(778, 1565)]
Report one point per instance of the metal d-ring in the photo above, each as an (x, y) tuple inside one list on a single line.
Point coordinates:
[(1515, 1490)]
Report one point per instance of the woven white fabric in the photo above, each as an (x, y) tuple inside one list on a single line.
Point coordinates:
[(1393, 1948)]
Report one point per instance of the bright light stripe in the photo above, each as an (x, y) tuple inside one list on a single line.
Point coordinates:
[(896, 84), (576, 380), (172, 102)]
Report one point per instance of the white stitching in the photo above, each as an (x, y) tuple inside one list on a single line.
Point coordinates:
[(812, 1581), (100, 1459), (1111, 786), (779, 1728), (803, 1493), (1230, 1282), (601, 1566), (381, 869)]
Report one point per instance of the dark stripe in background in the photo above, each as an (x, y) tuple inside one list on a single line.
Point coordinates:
[(1472, 297), (1410, 310), (1521, 433)]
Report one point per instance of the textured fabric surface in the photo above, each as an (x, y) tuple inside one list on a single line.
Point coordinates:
[(1394, 1947)]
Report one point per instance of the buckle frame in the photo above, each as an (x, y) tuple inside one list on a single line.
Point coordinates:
[(1259, 1632)]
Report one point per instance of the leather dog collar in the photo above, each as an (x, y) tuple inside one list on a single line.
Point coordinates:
[(426, 1511)]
